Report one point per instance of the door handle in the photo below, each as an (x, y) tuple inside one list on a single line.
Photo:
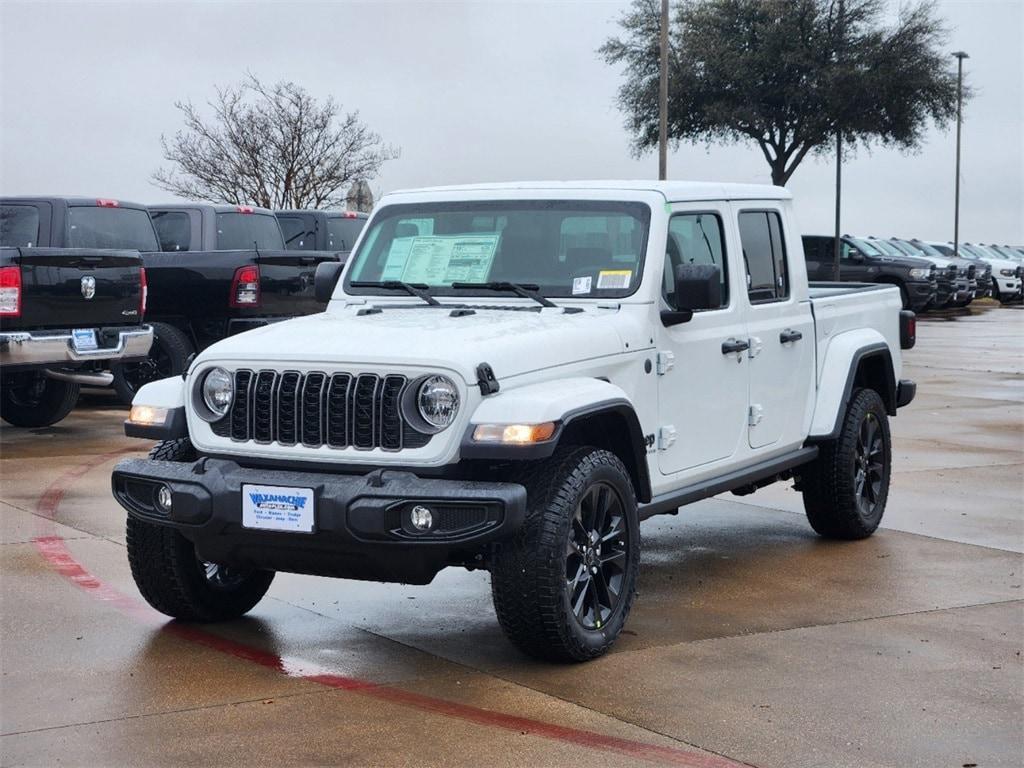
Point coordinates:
[(735, 345), (789, 335)]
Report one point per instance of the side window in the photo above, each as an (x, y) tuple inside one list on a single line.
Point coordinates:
[(764, 254), (174, 230), (19, 226), (694, 238)]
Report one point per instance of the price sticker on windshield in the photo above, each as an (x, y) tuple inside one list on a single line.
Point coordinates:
[(614, 279)]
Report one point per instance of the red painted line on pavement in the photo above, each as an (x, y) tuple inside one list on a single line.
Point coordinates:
[(52, 548)]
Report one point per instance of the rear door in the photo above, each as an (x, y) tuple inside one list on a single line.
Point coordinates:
[(780, 327)]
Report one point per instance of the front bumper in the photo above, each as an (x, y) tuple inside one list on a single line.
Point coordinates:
[(361, 524), (40, 348), (920, 294)]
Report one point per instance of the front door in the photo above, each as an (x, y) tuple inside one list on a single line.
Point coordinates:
[(781, 332), (702, 390)]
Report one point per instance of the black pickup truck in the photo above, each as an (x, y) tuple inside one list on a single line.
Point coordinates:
[(309, 230), (72, 299), (220, 270)]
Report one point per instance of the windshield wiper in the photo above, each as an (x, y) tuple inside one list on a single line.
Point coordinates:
[(419, 290), (525, 290)]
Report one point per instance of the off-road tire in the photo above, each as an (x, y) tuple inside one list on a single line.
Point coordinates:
[(167, 357), (529, 583), (172, 578), (829, 482), (41, 408)]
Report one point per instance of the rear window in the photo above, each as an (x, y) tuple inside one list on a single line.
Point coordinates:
[(342, 233), (174, 230), (245, 231), (92, 226), (19, 226), (296, 236), (764, 253)]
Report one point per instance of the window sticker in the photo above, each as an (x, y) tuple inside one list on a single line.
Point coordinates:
[(398, 256), (614, 279), (440, 259), (581, 285)]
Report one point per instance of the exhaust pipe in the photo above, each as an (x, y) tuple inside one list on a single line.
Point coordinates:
[(102, 379)]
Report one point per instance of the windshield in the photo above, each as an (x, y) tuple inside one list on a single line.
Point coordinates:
[(244, 231), (342, 232), (888, 248), (927, 249), (91, 226), (906, 247), (865, 246), (567, 248)]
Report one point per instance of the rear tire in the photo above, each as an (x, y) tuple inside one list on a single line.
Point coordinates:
[(845, 489), (166, 358), (564, 586), (173, 579), (31, 399)]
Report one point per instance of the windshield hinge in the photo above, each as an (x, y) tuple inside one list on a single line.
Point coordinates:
[(486, 379)]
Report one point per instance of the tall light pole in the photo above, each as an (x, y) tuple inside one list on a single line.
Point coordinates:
[(663, 97), (960, 56)]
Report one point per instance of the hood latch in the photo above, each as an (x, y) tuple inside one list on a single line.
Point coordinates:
[(486, 380)]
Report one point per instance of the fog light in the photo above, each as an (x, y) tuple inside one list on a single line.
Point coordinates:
[(163, 499), (421, 518)]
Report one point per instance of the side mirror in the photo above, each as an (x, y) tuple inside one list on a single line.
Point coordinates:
[(854, 255), (698, 286), (326, 277)]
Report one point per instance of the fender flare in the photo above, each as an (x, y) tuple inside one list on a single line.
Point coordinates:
[(843, 359), (565, 402)]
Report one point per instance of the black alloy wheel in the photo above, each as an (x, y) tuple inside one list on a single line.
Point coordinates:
[(869, 466)]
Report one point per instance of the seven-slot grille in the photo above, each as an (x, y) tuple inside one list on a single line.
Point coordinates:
[(343, 410)]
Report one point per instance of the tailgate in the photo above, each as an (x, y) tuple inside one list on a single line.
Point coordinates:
[(286, 281), (77, 288)]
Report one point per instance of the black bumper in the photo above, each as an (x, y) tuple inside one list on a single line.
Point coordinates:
[(905, 392), (361, 527), (920, 294)]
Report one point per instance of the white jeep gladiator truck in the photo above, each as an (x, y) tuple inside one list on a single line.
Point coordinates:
[(512, 377)]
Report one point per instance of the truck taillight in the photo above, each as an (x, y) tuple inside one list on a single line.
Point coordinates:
[(144, 292), (10, 291), (908, 329), (245, 288), (350, 215), (104, 203), (245, 209)]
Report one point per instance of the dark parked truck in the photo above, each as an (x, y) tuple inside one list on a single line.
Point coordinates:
[(861, 262), (72, 298), (220, 270), (309, 230)]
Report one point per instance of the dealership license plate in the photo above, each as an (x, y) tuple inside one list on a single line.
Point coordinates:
[(277, 508), (84, 339)]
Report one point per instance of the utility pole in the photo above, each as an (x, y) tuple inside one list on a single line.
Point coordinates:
[(960, 55), (663, 97), (839, 191)]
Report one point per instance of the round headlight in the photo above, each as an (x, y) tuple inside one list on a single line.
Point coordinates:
[(438, 401), (218, 391)]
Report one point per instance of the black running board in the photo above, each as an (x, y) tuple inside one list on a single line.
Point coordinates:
[(670, 502)]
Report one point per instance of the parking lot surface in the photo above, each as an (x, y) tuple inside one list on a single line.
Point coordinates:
[(751, 641)]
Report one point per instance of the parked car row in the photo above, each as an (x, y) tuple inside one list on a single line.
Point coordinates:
[(104, 292), (930, 275)]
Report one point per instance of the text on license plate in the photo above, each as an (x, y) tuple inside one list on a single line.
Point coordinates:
[(83, 339), (277, 508)]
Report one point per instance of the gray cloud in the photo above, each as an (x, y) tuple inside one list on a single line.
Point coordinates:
[(479, 91)]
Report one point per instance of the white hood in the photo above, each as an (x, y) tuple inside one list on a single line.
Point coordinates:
[(513, 342)]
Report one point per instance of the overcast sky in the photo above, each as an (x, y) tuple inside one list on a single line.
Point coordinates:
[(481, 91)]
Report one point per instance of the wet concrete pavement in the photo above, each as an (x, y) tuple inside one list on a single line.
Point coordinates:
[(751, 642)]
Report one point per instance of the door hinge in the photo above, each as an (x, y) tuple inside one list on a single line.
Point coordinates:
[(666, 362), (666, 437), (755, 347), (756, 414)]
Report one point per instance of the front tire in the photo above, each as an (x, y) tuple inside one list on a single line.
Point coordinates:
[(171, 576), (845, 489), (564, 586), (31, 399)]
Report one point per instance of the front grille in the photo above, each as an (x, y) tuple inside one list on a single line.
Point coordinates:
[(971, 272), (341, 410)]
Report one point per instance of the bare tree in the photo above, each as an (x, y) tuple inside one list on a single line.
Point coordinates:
[(273, 146)]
